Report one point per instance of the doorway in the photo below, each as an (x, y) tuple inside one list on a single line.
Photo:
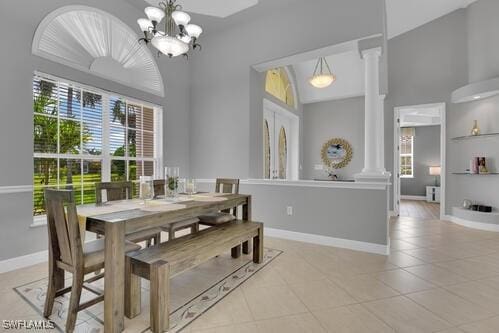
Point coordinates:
[(419, 161), (281, 142)]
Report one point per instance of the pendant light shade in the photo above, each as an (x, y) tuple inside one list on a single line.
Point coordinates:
[(171, 46), (322, 76), (144, 24), (194, 30), (154, 14), (181, 18)]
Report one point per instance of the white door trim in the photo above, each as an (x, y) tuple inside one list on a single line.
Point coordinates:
[(443, 144)]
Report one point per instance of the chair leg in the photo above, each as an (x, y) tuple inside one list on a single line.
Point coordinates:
[(195, 228), (157, 238), (55, 283), (74, 300), (132, 291), (160, 296), (171, 234)]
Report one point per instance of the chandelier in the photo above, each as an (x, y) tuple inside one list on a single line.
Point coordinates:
[(322, 76), (178, 36)]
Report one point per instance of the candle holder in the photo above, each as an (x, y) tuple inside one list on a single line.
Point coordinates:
[(146, 188)]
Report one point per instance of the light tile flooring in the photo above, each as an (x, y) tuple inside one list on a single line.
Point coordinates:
[(440, 277), (419, 209)]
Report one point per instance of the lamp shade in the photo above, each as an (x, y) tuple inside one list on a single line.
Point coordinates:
[(154, 14), (181, 18), (322, 80), (193, 30), (144, 24), (171, 46), (435, 170)]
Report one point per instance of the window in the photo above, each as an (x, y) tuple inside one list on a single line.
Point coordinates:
[(278, 84), (83, 136), (407, 156)]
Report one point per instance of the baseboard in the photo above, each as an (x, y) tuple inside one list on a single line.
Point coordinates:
[(472, 224), (328, 241), (413, 197), (23, 261)]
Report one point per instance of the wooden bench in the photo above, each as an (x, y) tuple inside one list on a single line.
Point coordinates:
[(161, 262)]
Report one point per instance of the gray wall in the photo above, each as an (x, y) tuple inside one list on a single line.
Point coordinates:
[(424, 66), (426, 153), (222, 121), (17, 65), (333, 119), (335, 212)]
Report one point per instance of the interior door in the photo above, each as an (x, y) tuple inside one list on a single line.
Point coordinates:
[(396, 192)]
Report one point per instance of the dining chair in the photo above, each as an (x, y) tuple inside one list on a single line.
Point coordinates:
[(159, 189), (68, 253), (122, 191), (222, 185)]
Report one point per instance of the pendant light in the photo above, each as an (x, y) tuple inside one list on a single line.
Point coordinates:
[(322, 76)]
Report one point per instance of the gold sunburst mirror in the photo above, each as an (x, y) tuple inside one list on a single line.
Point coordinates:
[(336, 153)]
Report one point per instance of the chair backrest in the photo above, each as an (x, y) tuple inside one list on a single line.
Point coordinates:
[(63, 227), (227, 185), (114, 191), (159, 186)]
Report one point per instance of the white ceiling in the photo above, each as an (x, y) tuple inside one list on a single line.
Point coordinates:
[(218, 8), (405, 15), (349, 70)]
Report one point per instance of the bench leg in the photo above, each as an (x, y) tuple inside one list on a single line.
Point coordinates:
[(236, 251), (171, 233), (247, 247), (132, 291), (195, 228), (160, 296), (258, 247)]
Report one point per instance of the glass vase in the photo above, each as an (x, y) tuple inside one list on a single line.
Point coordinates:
[(475, 130), (172, 177), (146, 188)]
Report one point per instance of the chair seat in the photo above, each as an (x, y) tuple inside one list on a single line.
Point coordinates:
[(180, 224), (93, 251), (216, 218), (143, 235)]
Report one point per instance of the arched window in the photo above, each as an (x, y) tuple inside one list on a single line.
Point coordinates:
[(97, 42), (278, 84)]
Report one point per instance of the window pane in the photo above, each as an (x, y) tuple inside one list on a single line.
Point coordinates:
[(148, 168), (134, 116), (92, 138), (148, 119), (44, 97), (45, 134), (133, 138), (118, 170), (39, 200), (69, 101), (69, 136), (69, 173), (92, 173), (134, 170), (148, 144), (117, 114), (45, 171), (117, 141)]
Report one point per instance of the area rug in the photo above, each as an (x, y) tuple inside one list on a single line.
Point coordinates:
[(192, 294)]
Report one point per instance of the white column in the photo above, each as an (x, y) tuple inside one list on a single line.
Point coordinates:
[(374, 126), (381, 134)]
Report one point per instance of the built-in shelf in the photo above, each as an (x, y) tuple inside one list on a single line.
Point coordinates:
[(474, 216), (476, 174), (487, 135)]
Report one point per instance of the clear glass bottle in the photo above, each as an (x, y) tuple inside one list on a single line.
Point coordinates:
[(475, 130), (146, 188), (172, 178)]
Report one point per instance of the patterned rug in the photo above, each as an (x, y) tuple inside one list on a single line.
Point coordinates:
[(192, 294)]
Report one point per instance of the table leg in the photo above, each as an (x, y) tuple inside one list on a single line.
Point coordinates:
[(247, 217), (114, 278)]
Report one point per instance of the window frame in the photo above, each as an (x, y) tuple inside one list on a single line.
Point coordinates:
[(105, 157), (411, 155)]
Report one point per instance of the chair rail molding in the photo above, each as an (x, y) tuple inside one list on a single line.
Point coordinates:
[(8, 189)]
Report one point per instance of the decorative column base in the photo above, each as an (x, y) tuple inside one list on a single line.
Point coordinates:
[(373, 177)]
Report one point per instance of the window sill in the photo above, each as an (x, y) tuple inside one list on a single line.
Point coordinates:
[(39, 221)]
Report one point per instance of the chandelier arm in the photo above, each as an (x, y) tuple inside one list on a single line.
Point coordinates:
[(315, 69), (329, 69)]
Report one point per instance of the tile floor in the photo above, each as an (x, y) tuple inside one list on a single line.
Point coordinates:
[(440, 277), (419, 209)]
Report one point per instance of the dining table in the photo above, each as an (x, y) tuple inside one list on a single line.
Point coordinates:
[(116, 219)]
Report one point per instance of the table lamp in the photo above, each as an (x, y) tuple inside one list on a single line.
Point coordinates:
[(435, 171)]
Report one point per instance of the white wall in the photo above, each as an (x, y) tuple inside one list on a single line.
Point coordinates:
[(333, 119)]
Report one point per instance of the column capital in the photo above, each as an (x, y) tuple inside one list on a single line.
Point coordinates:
[(371, 52)]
